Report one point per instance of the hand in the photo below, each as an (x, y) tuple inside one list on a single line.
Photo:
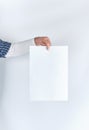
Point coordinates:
[(43, 41)]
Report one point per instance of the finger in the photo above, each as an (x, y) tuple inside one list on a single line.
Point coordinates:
[(47, 45), (43, 44), (48, 41)]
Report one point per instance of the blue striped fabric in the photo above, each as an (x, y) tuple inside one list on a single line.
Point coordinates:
[(4, 48)]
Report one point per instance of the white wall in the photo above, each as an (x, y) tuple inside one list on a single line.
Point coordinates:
[(64, 22)]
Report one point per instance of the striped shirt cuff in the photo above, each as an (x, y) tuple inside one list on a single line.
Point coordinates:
[(4, 48)]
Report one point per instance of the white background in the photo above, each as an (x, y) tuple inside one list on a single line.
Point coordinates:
[(65, 22)]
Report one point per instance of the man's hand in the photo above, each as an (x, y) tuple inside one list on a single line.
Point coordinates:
[(43, 41)]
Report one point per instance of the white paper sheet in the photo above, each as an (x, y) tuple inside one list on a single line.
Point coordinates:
[(48, 73)]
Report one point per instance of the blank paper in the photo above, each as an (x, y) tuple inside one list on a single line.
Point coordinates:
[(48, 73)]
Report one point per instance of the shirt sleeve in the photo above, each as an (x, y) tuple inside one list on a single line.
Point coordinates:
[(20, 48), (4, 48)]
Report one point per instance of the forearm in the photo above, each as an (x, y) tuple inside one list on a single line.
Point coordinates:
[(16, 49), (19, 48)]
